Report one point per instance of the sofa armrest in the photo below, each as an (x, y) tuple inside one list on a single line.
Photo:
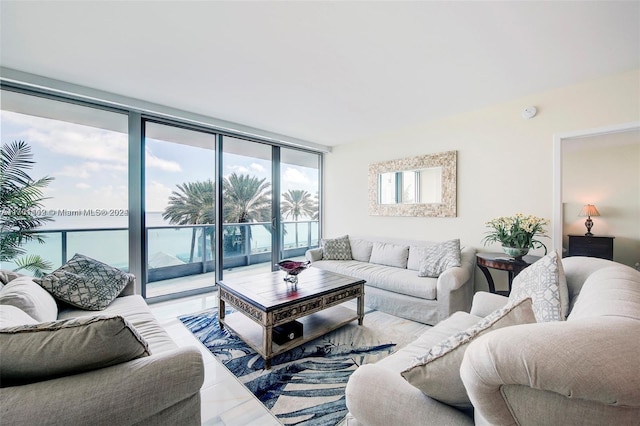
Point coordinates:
[(313, 255), (125, 393), (376, 395), (454, 288), (591, 364), (484, 303)]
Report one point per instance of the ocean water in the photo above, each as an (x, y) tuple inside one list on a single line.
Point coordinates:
[(110, 244)]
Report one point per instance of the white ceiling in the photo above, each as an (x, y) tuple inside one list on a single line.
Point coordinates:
[(328, 72)]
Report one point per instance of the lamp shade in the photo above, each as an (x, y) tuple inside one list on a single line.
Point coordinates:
[(589, 210)]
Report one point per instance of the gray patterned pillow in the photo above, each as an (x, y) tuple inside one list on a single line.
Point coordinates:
[(34, 352), (438, 258), (85, 283), (437, 373), (545, 283), (336, 248)]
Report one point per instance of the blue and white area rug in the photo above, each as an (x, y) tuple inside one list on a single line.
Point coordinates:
[(305, 386)]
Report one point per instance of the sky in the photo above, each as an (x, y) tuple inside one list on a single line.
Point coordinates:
[(90, 165)]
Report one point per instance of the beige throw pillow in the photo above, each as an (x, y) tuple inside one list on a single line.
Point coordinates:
[(545, 283), (389, 255), (35, 352), (437, 373), (438, 258)]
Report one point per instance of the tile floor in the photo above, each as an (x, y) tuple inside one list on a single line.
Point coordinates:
[(225, 401)]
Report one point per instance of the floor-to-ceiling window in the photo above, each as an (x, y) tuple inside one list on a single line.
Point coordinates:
[(268, 194), (299, 202), (247, 189), (84, 152), (179, 208)]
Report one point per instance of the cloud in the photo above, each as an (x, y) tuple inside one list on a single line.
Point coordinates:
[(257, 167), (87, 169), (157, 196), (166, 165), (83, 185), (292, 175)]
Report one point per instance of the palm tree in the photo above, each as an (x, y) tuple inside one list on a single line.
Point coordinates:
[(296, 203), (246, 199), (20, 199), (192, 203)]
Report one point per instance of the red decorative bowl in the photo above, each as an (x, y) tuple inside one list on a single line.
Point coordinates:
[(293, 267)]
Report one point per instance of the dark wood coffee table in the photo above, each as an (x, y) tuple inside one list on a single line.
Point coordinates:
[(264, 301)]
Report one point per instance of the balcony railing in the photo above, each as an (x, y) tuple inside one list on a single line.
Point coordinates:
[(177, 250)]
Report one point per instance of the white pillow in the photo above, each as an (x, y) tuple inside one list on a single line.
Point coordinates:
[(11, 316), (42, 351), (438, 258), (389, 254), (437, 373), (28, 296), (360, 249), (545, 282)]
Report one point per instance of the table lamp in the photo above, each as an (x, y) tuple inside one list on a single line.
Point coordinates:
[(589, 210)]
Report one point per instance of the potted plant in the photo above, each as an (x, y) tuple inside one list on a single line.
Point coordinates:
[(517, 234)]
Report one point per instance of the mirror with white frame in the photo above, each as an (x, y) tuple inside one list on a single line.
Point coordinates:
[(424, 185)]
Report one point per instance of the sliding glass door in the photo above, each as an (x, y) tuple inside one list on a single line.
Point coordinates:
[(179, 209)]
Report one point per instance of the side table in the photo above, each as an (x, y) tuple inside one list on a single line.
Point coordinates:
[(502, 262)]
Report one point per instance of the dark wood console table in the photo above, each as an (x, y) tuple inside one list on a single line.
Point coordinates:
[(593, 246), (502, 262)]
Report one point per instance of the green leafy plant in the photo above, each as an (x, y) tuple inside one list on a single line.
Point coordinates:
[(518, 231), (20, 202)]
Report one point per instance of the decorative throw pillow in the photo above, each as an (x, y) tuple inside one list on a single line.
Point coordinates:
[(336, 248), (42, 351), (85, 283), (360, 249), (545, 283), (438, 258), (437, 373), (389, 254), (29, 297)]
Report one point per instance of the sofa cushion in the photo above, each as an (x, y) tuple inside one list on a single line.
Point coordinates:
[(43, 351), (28, 296), (397, 280), (336, 248), (11, 316), (360, 249), (437, 372), (86, 283), (545, 283), (389, 254), (612, 291), (438, 258)]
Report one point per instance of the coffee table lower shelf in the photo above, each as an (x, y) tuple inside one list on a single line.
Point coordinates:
[(314, 326)]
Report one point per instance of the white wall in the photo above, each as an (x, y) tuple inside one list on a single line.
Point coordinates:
[(505, 162), (604, 170)]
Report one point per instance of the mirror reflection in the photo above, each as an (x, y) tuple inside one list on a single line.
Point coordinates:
[(410, 186), (424, 185)]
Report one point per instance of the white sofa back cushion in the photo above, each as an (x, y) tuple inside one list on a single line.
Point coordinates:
[(361, 249), (28, 296), (388, 254)]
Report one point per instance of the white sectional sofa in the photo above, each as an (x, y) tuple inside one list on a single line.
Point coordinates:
[(62, 365), (391, 268), (583, 370)]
